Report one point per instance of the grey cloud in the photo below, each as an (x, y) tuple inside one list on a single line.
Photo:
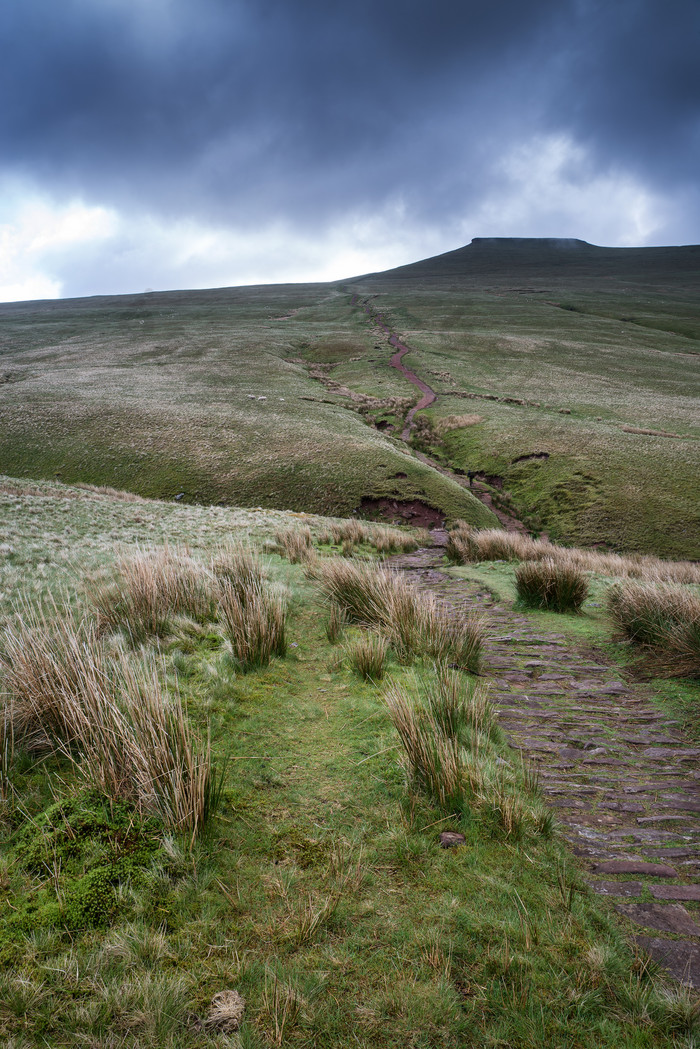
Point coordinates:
[(300, 109)]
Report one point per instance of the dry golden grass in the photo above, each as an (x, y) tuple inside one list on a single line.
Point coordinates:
[(254, 620), (551, 585), (112, 720), (466, 545), (456, 422), (663, 619), (415, 623), (296, 544), (148, 588)]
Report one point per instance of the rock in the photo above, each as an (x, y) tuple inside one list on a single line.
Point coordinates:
[(225, 1012), (681, 959), (675, 892), (450, 838), (655, 870), (617, 888), (179, 496), (671, 917)]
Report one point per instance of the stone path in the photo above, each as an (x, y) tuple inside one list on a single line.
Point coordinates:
[(624, 782)]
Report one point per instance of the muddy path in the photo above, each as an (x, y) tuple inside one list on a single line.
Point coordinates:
[(621, 778), (395, 361), (477, 487)]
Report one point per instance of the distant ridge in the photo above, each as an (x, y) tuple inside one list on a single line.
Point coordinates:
[(549, 256)]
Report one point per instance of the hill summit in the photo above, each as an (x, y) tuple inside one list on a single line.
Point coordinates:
[(548, 257)]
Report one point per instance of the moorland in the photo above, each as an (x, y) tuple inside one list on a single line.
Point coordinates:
[(279, 767)]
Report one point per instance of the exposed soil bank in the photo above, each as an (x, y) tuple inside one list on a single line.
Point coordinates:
[(397, 511)]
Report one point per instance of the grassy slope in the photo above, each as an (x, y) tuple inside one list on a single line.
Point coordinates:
[(485, 945), (488, 320), (163, 393)]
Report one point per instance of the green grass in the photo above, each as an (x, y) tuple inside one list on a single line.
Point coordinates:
[(320, 892), (490, 337), (159, 393), (205, 394)]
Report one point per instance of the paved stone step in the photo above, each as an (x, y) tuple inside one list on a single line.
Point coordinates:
[(619, 773)]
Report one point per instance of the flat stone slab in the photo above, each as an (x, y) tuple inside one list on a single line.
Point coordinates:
[(617, 888), (656, 870), (682, 960), (678, 753), (675, 892), (670, 917)]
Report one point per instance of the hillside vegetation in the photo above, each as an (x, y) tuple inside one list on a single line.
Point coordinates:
[(314, 905), (565, 376)]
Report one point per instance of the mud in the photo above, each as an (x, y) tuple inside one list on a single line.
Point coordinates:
[(401, 511)]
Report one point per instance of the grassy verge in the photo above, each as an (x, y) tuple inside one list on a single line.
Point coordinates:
[(593, 629), (320, 892)]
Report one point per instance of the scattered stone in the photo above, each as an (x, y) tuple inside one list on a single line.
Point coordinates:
[(450, 838), (675, 892), (670, 917), (656, 870), (617, 888), (225, 1012), (681, 959)]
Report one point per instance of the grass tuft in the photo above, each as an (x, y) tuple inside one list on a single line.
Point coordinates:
[(664, 620), (551, 585), (254, 621), (125, 736), (148, 589), (367, 655), (296, 544)]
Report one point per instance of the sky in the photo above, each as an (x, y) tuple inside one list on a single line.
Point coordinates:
[(156, 144)]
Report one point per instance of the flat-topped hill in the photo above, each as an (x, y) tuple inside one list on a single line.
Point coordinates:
[(515, 257)]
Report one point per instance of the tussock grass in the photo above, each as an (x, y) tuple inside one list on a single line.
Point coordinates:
[(125, 736), (335, 623), (254, 620), (367, 655), (296, 544), (452, 754), (240, 565), (459, 706), (664, 620), (450, 637), (384, 539), (148, 589), (466, 544), (415, 624), (551, 585)]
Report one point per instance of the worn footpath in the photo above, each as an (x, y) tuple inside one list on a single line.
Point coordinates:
[(624, 782)]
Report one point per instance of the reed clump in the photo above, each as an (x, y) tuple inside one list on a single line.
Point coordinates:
[(367, 655), (148, 588), (254, 619), (414, 623), (296, 544), (126, 736), (467, 545), (452, 754), (551, 585), (662, 619)]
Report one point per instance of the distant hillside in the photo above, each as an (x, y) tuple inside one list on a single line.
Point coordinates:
[(511, 257), (565, 375)]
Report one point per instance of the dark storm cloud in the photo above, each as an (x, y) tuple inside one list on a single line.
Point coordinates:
[(243, 110)]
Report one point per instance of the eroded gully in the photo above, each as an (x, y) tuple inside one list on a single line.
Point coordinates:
[(618, 772)]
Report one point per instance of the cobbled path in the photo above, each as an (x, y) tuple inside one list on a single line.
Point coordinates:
[(621, 777)]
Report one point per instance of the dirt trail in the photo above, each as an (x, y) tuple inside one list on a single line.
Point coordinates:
[(477, 488), (429, 394), (624, 782)]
